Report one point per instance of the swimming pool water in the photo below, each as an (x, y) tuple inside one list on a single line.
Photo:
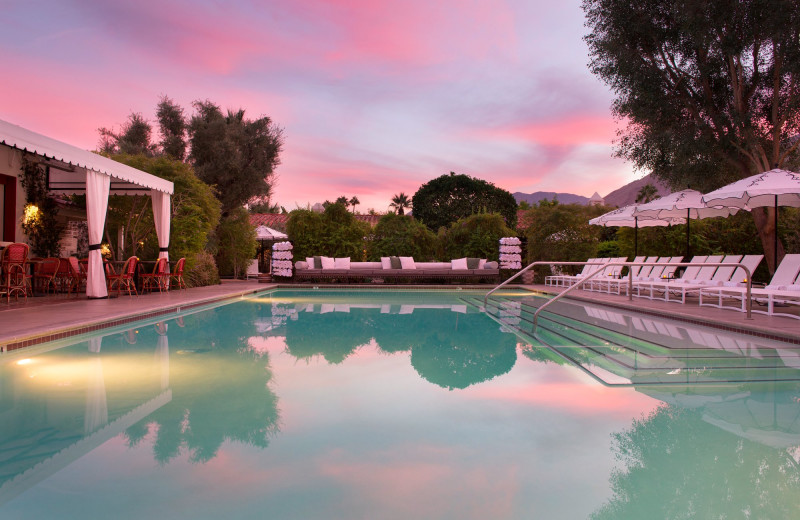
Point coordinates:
[(363, 404)]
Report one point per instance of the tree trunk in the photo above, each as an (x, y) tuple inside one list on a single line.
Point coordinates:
[(765, 224)]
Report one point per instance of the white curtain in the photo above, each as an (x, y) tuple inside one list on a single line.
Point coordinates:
[(162, 353), (161, 215), (96, 414), (97, 188)]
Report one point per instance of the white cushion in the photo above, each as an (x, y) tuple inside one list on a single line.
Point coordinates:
[(386, 263), (341, 263), (458, 263), (328, 263), (310, 262), (301, 265), (407, 262), (482, 263)]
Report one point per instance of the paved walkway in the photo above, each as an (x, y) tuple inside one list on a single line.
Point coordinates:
[(54, 318), (60, 316)]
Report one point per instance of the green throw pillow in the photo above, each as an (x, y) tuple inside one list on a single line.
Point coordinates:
[(395, 261), (473, 263), (317, 262)]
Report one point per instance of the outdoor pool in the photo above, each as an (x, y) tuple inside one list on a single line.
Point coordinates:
[(339, 404)]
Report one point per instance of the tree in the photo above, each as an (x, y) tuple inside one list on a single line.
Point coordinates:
[(237, 156), (195, 210), (134, 138), (448, 198), (335, 232), (710, 90), (399, 202), (647, 193), (172, 125), (354, 202)]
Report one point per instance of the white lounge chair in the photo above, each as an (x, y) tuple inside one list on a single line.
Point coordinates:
[(783, 289), (661, 288), (617, 285), (568, 280)]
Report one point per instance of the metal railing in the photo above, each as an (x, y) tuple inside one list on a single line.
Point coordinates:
[(603, 267)]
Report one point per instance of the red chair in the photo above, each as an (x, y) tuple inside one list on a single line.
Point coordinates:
[(14, 267), (75, 277), (44, 277), (125, 278), (177, 275), (158, 278)]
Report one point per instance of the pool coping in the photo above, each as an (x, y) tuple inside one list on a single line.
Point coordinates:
[(13, 343)]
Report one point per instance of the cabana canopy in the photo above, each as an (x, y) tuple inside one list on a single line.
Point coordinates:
[(73, 170)]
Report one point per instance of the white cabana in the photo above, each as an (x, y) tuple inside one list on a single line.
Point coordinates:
[(73, 170), (267, 233)]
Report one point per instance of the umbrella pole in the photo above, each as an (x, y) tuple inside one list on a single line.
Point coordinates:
[(775, 242), (688, 247), (635, 237)]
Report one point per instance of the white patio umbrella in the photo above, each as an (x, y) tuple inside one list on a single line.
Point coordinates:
[(773, 188), (267, 233), (685, 203), (625, 217)]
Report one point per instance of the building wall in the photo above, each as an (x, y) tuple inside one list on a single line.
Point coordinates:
[(10, 163)]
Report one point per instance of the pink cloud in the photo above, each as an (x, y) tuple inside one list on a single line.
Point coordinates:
[(577, 398)]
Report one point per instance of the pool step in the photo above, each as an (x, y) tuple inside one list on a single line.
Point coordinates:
[(609, 353)]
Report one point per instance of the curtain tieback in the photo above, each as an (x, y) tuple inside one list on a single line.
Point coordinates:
[(163, 249), (94, 247)]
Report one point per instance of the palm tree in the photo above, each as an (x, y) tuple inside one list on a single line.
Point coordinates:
[(399, 202), (353, 202), (647, 193)]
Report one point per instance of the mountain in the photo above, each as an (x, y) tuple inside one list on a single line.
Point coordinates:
[(619, 197), (627, 194), (563, 198)]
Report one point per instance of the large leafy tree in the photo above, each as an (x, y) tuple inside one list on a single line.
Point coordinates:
[(448, 198), (172, 124), (709, 89), (237, 156)]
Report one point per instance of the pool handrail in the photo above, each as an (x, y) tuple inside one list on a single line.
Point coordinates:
[(591, 275)]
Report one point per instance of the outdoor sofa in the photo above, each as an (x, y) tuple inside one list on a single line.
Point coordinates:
[(396, 270)]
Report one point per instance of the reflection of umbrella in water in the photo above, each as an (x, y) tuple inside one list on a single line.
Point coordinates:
[(773, 188), (162, 353), (686, 203), (625, 217)]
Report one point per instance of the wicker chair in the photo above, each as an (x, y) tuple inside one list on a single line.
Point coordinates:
[(177, 275), (158, 278), (125, 278)]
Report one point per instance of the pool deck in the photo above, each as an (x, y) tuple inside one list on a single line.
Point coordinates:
[(49, 318)]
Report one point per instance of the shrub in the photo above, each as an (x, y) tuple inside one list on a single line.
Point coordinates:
[(399, 235), (200, 270), (474, 236), (335, 233), (236, 243)]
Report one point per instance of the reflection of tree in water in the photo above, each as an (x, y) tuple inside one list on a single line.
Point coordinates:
[(334, 335), (459, 350), (679, 466), (219, 388)]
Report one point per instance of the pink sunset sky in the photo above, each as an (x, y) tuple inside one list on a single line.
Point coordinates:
[(375, 97)]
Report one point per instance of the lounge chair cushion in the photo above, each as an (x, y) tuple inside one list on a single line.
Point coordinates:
[(302, 265), (310, 262), (341, 263), (473, 263), (395, 262), (407, 262), (386, 262), (458, 263), (326, 262), (490, 265)]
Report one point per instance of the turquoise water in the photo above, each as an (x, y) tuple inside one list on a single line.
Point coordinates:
[(343, 405)]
